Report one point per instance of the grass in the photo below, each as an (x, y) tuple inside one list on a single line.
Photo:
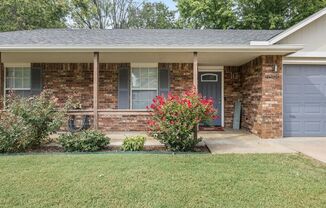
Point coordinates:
[(149, 180)]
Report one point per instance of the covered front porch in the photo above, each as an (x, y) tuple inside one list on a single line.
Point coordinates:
[(103, 82)]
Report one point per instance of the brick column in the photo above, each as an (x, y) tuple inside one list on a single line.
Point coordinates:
[(261, 96), (271, 101)]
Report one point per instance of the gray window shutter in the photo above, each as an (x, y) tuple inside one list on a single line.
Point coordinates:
[(36, 80), (123, 89), (164, 81)]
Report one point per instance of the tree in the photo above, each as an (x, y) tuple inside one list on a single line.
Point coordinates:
[(32, 14), (153, 16), (206, 13), (101, 13), (120, 14), (246, 14), (277, 14)]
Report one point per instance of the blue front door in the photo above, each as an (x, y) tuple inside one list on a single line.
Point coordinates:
[(210, 86)]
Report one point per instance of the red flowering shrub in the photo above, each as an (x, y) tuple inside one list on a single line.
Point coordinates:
[(174, 119)]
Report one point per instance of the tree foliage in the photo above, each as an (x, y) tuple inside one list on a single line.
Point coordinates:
[(101, 13), (206, 13), (32, 14), (246, 14), (120, 14), (216, 14), (275, 14), (153, 16)]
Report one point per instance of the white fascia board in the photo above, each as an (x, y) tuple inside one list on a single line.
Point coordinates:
[(260, 43), (284, 48), (305, 54), (305, 61), (298, 26)]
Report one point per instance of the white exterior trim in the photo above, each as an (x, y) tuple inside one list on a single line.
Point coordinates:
[(5, 77), (305, 61), (216, 69), (298, 26), (144, 65), (284, 48), (141, 65), (6, 65), (210, 68)]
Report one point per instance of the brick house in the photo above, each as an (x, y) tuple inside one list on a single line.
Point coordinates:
[(278, 76)]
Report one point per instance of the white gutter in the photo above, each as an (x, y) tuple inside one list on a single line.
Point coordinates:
[(100, 48)]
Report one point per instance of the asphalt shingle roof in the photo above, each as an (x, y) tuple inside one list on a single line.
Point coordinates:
[(136, 37)]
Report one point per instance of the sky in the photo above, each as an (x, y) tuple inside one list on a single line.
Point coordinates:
[(169, 3)]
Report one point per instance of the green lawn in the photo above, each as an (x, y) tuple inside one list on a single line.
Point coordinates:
[(149, 180)]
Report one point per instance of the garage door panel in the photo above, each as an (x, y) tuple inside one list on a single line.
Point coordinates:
[(313, 127), (291, 108), (312, 89), (292, 127), (312, 108), (304, 100), (292, 89)]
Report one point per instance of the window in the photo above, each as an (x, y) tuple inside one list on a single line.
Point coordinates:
[(18, 79), (209, 77), (144, 86)]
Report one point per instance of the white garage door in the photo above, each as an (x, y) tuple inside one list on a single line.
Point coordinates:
[(304, 100)]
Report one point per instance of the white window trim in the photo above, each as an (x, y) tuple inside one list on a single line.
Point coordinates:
[(210, 74), (142, 65), (12, 65)]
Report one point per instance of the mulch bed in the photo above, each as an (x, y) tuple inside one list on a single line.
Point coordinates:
[(153, 148)]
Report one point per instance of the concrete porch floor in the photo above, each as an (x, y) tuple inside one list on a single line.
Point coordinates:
[(240, 141)]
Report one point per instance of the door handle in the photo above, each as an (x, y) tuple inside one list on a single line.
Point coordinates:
[(292, 116)]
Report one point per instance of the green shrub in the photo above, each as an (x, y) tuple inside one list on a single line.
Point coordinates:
[(27, 122), (134, 143), (174, 119), (84, 141), (15, 134), (40, 112)]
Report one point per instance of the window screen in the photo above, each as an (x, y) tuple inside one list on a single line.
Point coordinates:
[(144, 85), (18, 78)]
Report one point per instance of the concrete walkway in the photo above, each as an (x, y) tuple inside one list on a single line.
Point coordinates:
[(314, 147), (234, 142), (230, 141)]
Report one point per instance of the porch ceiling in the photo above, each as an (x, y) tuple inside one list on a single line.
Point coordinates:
[(226, 58)]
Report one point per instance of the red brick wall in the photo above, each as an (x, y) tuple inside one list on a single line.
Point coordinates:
[(272, 115), (181, 78), (232, 88), (259, 89), (76, 80), (256, 84), (251, 95), (123, 122)]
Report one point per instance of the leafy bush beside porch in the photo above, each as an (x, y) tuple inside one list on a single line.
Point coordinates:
[(27, 122), (174, 119)]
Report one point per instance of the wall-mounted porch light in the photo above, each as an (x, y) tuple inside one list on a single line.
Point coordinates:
[(275, 68)]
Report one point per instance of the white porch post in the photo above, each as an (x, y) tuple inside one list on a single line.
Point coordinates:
[(195, 71), (195, 83), (95, 88)]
